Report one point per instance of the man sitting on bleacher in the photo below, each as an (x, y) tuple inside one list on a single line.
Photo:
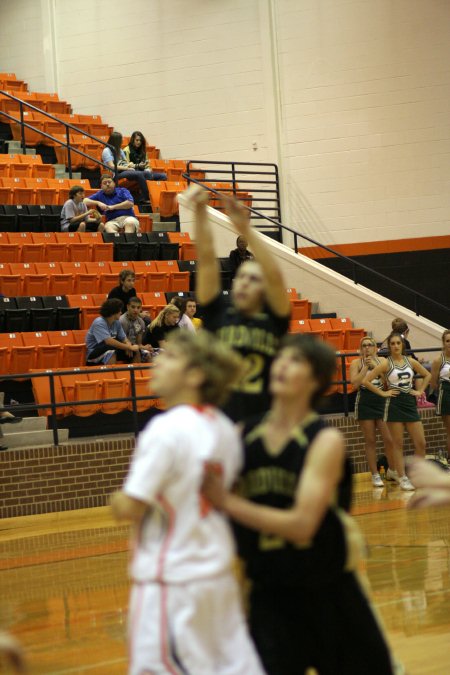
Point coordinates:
[(75, 216), (117, 205), (106, 341)]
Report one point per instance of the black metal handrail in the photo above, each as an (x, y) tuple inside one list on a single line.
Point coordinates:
[(67, 126), (53, 404), (355, 263), (236, 171)]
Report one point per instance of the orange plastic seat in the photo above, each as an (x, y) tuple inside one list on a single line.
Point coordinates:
[(82, 300), (88, 314), (32, 253), (42, 171), (353, 337), (73, 355), (292, 293), (35, 284), (73, 267), (4, 360), (320, 325), (341, 323), (9, 252), (79, 252), (335, 338), (106, 282), (85, 283), (41, 393), (44, 238), (299, 309), (102, 252), (79, 336), (11, 285), (22, 359), (99, 298), (21, 192), (178, 281), (299, 326), (60, 284)]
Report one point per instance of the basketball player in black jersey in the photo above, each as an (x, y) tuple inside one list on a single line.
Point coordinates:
[(259, 314), (300, 547)]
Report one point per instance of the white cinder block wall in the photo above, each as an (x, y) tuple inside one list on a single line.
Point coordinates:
[(352, 99)]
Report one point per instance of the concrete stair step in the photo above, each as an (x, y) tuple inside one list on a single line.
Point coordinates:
[(28, 424), (28, 439)]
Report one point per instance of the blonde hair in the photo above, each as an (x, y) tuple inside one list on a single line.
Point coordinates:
[(220, 365), (364, 339), (159, 321)]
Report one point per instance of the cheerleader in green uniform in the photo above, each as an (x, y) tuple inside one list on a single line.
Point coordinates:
[(369, 407), (440, 381), (401, 405)]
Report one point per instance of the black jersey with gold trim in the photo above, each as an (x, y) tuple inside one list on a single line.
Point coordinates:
[(271, 479), (256, 338)]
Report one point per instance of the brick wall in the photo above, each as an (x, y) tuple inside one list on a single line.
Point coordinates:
[(83, 474)]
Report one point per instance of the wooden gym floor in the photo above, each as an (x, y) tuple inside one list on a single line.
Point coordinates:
[(64, 589)]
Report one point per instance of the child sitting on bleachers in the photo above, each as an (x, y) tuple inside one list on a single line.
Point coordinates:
[(75, 215)]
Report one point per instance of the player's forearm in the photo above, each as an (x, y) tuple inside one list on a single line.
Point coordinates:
[(127, 204), (275, 283), (208, 276), (116, 344), (288, 524)]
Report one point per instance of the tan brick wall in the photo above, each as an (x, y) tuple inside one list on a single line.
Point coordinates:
[(83, 474)]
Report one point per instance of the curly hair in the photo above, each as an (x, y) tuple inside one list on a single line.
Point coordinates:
[(220, 365)]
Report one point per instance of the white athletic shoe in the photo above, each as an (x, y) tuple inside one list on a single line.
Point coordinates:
[(405, 484), (376, 480), (392, 475)]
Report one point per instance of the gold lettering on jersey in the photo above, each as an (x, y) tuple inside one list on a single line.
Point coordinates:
[(253, 338), (266, 480)]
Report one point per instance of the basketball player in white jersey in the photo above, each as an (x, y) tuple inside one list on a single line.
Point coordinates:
[(185, 614)]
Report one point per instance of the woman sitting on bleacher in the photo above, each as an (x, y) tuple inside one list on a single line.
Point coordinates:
[(127, 169), (75, 215), (136, 155), (166, 322)]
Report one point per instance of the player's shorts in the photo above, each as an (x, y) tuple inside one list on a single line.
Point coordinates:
[(331, 628), (443, 399), (401, 408), (369, 406), (196, 628)]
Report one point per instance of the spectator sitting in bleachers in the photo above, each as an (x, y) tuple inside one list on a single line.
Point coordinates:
[(136, 156), (126, 290), (191, 310), (159, 329), (134, 328), (106, 341), (184, 321), (126, 168), (75, 216), (239, 255), (117, 205)]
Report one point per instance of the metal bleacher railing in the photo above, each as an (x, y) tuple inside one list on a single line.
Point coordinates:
[(54, 404), (413, 298), (68, 127)]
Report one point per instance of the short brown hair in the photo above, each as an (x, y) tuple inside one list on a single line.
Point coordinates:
[(221, 366), (74, 190), (126, 273), (105, 176), (399, 326)]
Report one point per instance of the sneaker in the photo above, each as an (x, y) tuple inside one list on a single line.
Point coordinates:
[(405, 484), (392, 475), (376, 480)]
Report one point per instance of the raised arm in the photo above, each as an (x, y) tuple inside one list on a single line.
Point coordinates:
[(357, 376), (299, 524), (276, 295), (208, 276)]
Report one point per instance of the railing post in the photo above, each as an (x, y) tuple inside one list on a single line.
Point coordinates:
[(133, 402), (69, 158), (22, 129), (355, 280), (344, 379), (53, 420), (277, 181), (295, 242), (233, 178)]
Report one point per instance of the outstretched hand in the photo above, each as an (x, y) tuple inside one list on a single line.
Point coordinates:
[(425, 474), (238, 214), (194, 197), (429, 497)]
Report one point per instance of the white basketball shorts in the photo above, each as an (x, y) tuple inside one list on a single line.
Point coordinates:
[(190, 629)]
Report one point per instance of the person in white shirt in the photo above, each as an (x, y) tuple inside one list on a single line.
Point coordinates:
[(185, 613)]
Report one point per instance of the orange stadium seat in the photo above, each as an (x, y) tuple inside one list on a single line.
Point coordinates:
[(299, 308), (178, 281), (299, 326), (85, 282), (41, 393), (335, 338)]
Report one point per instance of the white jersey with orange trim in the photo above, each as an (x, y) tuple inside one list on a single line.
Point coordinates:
[(181, 537)]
